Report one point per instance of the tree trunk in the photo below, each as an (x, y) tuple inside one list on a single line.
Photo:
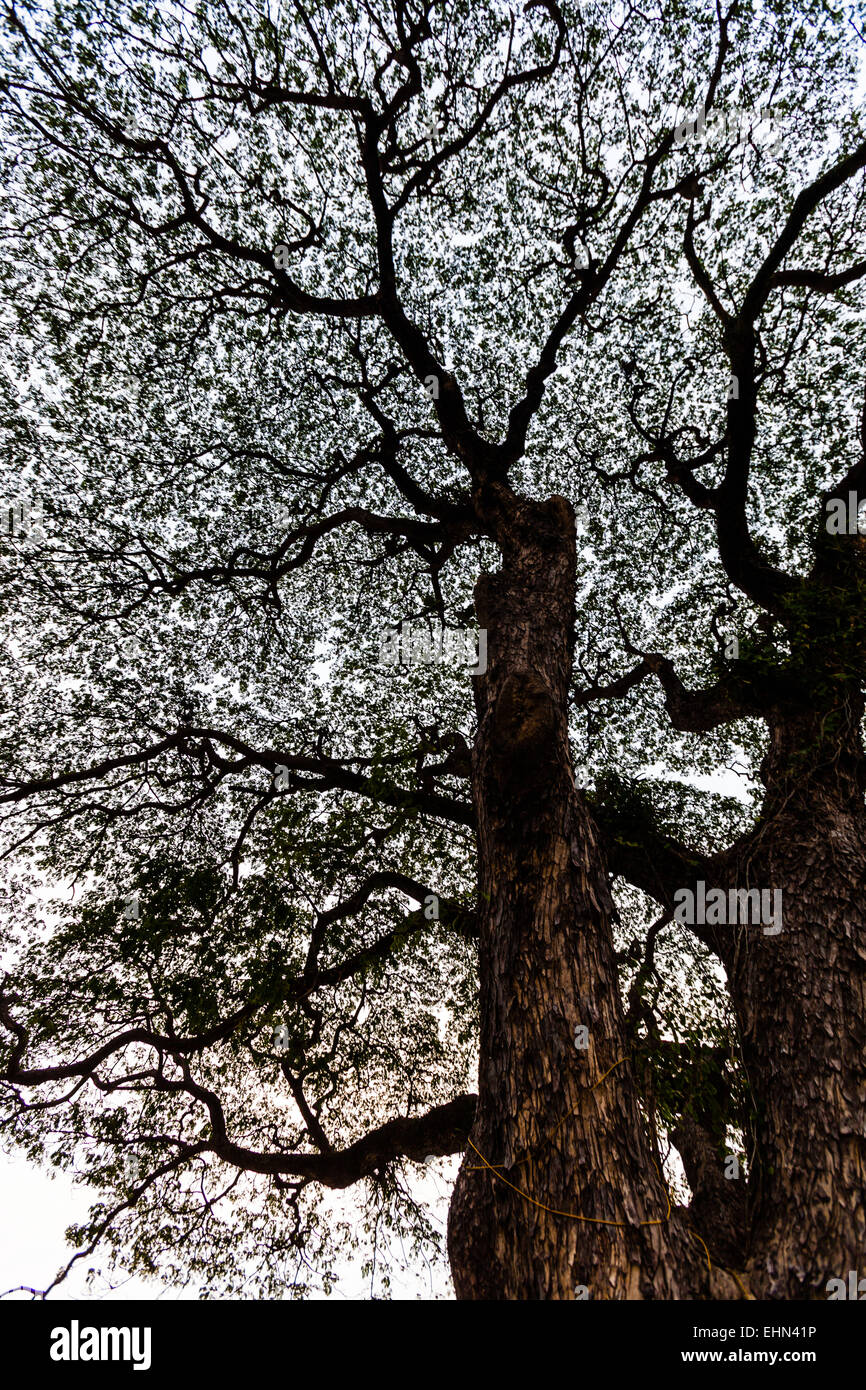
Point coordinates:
[(800, 1001), (558, 1133)]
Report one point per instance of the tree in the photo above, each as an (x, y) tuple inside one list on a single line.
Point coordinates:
[(378, 317)]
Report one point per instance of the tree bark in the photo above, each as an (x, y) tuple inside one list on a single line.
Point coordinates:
[(800, 1002), (558, 1195)]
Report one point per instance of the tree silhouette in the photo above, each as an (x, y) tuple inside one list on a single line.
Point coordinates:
[(448, 437)]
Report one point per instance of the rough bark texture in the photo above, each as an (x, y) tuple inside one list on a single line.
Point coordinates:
[(800, 1000), (558, 1132), (560, 1124)]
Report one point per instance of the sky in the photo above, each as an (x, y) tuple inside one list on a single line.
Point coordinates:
[(36, 1207)]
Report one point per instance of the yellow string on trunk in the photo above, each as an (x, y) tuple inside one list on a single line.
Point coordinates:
[(572, 1216), (594, 1220)]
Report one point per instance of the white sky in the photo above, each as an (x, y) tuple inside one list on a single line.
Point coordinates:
[(36, 1207)]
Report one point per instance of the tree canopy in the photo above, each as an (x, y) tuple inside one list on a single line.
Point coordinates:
[(292, 292)]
